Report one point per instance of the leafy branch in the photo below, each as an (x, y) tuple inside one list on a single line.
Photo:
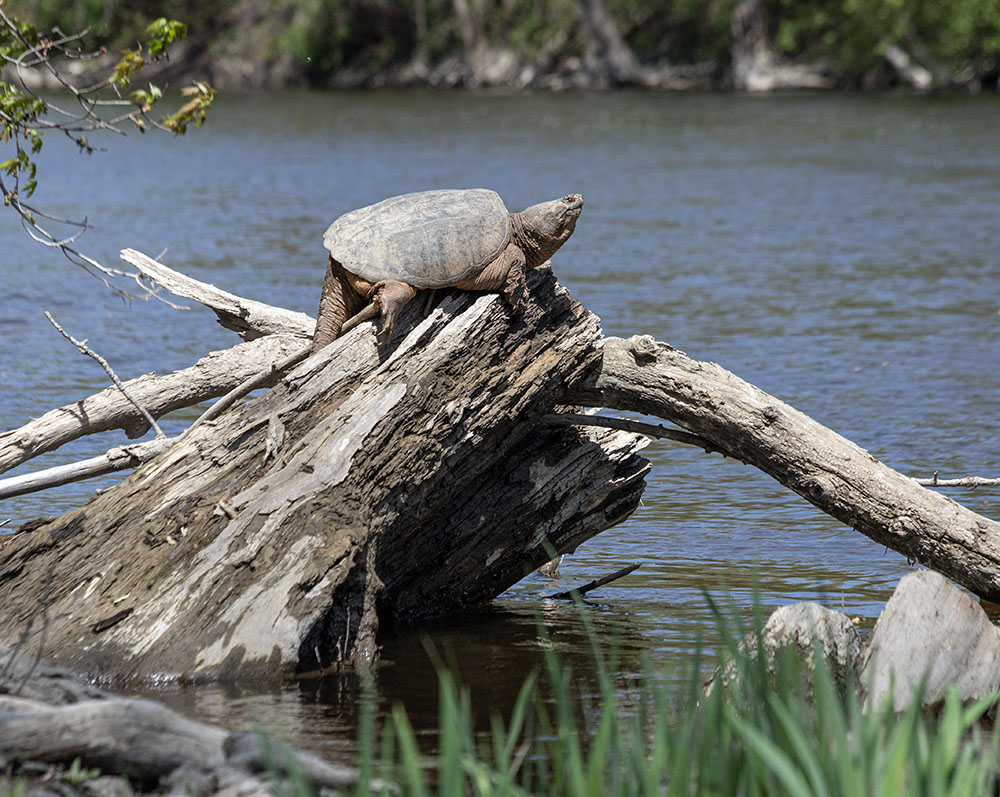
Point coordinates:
[(100, 106)]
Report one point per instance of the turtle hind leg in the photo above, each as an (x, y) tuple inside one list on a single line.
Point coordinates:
[(393, 296), (336, 303)]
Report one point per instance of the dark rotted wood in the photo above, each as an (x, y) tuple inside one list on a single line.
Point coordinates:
[(410, 479)]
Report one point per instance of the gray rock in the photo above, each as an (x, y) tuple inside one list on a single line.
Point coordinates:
[(801, 626)]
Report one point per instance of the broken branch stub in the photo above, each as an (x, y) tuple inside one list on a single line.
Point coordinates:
[(249, 318), (412, 479)]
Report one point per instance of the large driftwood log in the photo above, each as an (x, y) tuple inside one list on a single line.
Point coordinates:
[(48, 716), (208, 378), (826, 469), (412, 479)]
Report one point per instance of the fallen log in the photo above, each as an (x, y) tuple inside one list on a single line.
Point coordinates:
[(412, 479), (829, 471), (387, 483), (48, 716)]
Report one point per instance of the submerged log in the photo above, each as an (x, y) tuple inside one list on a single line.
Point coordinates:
[(412, 479)]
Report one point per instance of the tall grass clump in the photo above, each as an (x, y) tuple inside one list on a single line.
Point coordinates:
[(775, 727)]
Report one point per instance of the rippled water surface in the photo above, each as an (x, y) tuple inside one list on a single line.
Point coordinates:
[(839, 252)]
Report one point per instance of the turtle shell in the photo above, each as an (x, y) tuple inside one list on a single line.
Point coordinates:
[(430, 239)]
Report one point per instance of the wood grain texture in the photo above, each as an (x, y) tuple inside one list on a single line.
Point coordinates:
[(412, 478)]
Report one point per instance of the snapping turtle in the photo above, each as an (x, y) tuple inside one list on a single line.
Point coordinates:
[(465, 239)]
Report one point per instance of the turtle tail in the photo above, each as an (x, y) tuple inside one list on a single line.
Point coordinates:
[(334, 305)]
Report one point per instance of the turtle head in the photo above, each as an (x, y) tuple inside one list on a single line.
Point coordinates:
[(541, 229)]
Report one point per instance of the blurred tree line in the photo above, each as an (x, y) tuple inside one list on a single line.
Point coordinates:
[(588, 42)]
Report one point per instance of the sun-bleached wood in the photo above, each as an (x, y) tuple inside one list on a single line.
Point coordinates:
[(409, 480), (932, 635), (829, 471), (247, 317), (208, 378)]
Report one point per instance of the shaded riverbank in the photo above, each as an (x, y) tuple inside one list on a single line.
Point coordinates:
[(748, 45)]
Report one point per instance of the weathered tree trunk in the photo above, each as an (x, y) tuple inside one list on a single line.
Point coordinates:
[(826, 469), (411, 479), (606, 53), (755, 63)]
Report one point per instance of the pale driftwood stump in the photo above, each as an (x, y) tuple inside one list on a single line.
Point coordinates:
[(412, 479)]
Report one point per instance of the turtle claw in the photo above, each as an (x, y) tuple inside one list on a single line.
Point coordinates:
[(392, 296), (383, 335)]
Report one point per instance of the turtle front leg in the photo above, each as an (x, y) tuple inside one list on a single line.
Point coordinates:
[(505, 274), (392, 295)]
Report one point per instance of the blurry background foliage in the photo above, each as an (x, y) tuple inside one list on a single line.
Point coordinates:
[(946, 36)]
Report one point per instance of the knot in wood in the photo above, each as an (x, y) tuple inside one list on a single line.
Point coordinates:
[(818, 486), (903, 526), (643, 348), (770, 414)]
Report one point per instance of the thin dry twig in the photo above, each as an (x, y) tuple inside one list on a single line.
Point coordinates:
[(964, 481), (82, 346)]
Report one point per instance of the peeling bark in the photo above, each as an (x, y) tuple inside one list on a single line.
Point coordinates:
[(410, 479)]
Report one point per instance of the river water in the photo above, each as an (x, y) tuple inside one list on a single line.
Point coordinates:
[(840, 252)]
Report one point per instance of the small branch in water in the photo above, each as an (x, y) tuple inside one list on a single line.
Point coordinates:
[(595, 584), (82, 346), (965, 481), (649, 429)]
